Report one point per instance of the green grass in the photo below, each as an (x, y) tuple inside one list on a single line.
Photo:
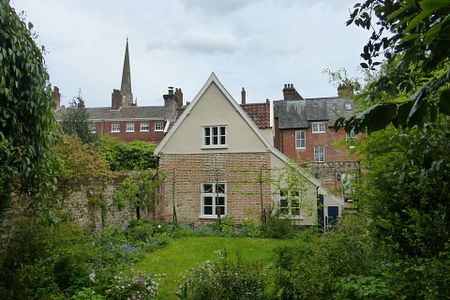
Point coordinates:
[(185, 253)]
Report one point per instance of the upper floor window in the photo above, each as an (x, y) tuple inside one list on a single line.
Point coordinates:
[(144, 126), (214, 136), (213, 199), (130, 127), (348, 106), (300, 139), (159, 126), (115, 127), (93, 128), (318, 127), (319, 153)]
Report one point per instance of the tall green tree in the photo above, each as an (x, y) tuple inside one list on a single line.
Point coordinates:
[(26, 108), (409, 40), (75, 121)]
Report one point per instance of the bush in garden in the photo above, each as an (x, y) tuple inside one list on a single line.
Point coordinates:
[(224, 280), (251, 227), (87, 294), (133, 286), (278, 228)]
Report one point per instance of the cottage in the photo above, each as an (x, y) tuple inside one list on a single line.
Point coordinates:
[(218, 163)]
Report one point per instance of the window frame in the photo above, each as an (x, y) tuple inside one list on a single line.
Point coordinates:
[(112, 127), (93, 129), (300, 139), (220, 136), (126, 127), (315, 127), (316, 153), (214, 195), (285, 195), (142, 125), (156, 126)]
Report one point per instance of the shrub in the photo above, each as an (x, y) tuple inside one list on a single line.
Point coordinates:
[(224, 280), (278, 228), (87, 294), (133, 286), (251, 228)]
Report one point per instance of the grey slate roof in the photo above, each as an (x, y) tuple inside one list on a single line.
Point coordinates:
[(126, 112), (298, 113)]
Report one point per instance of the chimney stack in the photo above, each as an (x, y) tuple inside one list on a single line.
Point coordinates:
[(243, 96), (116, 99), (345, 90), (56, 96), (179, 97), (289, 93)]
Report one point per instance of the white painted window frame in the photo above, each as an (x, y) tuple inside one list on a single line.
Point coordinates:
[(221, 137), (159, 126), (214, 196), (299, 139), (315, 127), (129, 127), (285, 195), (317, 153), (144, 127), (113, 125)]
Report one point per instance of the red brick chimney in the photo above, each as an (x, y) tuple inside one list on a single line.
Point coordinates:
[(179, 97), (116, 99), (289, 93), (56, 96), (243, 96)]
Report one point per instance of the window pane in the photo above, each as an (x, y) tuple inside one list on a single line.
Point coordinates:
[(222, 140), (220, 188), (207, 187), (220, 210), (207, 210), (295, 211), (214, 130), (222, 130), (282, 193), (207, 131), (207, 200), (220, 201), (207, 140), (283, 203), (215, 140)]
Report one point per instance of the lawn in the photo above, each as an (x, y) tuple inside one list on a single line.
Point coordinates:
[(185, 253)]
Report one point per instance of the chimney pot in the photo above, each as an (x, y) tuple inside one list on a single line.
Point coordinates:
[(56, 96), (243, 96)]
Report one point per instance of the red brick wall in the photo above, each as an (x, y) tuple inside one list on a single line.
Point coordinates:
[(287, 144), (238, 170), (152, 136)]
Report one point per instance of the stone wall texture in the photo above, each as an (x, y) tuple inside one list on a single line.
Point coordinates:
[(239, 170)]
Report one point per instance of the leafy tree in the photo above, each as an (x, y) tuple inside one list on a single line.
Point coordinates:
[(26, 109), (413, 82), (75, 121)]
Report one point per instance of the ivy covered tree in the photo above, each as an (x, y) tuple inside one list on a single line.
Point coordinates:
[(75, 121), (26, 109), (409, 48)]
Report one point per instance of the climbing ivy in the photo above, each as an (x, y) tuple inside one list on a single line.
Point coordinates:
[(26, 108)]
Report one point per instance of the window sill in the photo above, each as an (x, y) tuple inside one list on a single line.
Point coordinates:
[(143, 131), (129, 131), (159, 130), (300, 148), (314, 132), (214, 147), (115, 131), (292, 217), (209, 217)]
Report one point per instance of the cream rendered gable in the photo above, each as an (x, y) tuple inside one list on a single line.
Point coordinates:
[(211, 109)]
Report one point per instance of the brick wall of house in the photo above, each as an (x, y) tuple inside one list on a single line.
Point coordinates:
[(286, 142), (152, 136), (239, 170)]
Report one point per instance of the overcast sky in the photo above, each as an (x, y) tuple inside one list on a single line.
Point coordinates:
[(256, 44)]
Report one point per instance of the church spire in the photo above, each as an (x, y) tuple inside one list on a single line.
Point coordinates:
[(125, 87)]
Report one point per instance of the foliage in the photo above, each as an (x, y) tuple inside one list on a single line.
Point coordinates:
[(26, 109), (81, 165), (75, 121), (87, 294), (413, 36), (405, 189), (251, 228), (137, 155), (278, 228), (45, 258), (224, 280), (141, 190), (133, 286)]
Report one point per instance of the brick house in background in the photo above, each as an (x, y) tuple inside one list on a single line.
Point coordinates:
[(212, 159), (304, 131), (126, 120)]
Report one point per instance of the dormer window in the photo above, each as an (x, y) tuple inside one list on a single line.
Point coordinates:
[(318, 127), (214, 136), (348, 106)]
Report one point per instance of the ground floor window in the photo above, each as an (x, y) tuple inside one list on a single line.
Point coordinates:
[(290, 203), (214, 199)]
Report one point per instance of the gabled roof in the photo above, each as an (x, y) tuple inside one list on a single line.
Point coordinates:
[(213, 79), (298, 113), (259, 113)]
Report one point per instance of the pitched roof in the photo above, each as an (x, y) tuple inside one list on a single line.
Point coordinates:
[(298, 113), (259, 113), (125, 112)]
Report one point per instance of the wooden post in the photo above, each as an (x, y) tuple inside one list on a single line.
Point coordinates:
[(174, 212)]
